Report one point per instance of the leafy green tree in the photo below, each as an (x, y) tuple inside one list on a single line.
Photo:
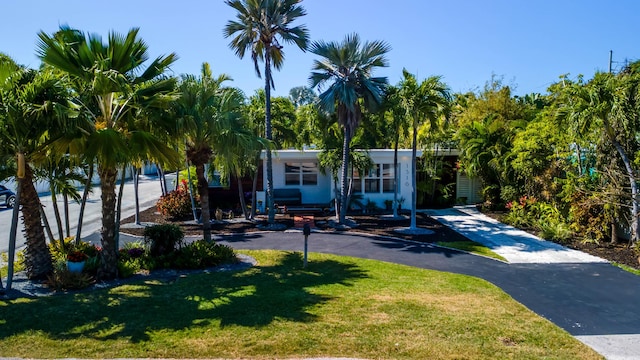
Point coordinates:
[(302, 95), (33, 107), (609, 104), (425, 101), (207, 112), (111, 84), (487, 124), (261, 27), (283, 119), (346, 68)]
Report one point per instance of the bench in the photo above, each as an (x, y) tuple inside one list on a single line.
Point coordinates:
[(287, 196)]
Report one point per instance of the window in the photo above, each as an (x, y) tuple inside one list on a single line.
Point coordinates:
[(380, 178), (301, 173)]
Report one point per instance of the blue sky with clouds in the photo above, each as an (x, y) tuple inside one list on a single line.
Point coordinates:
[(528, 43)]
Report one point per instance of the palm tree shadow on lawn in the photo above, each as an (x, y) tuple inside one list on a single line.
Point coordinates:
[(253, 298)]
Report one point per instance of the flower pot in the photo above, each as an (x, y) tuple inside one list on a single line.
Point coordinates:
[(75, 267)]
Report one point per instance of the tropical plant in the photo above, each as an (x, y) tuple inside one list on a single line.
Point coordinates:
[(33, 109), (210, 115), (261, 27), (112, 87), (609, 105), (347, 68), (427, 101)]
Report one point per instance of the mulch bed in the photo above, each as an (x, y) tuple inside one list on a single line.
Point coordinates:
[(375, 225)]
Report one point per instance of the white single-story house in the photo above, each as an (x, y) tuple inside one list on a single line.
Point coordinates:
[(299, 169)]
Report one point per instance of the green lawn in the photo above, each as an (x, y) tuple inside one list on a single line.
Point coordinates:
[(471, 247), (338, 306)]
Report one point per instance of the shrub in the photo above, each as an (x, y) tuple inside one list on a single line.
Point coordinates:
[(554, 230), (163, 239), (63, 279), (176, 204), (202, 254), (508, 193), (132, 259)]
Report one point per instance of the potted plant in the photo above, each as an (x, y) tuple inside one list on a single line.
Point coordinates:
[(388, 204), (76, 260), (400, 202)]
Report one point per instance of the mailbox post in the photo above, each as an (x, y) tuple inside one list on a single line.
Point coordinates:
[(306, 230)]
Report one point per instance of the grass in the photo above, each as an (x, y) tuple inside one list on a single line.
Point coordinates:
[(337, 306), (627, 268), (472, 247)]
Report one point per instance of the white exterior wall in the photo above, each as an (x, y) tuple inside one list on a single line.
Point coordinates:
[(311, 194), (323, 192), (469, 188)]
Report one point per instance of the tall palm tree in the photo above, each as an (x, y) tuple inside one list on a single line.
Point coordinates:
[(261, 26), (427, 101), (111, 83), (394, 113), (208, 113), (347, 67), (33, 106)]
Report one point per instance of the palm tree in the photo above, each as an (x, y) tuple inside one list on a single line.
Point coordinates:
[(209, 114), (33, 105), (610, 104), (111, 83), (427, 101), (347, 68), (396, 119), (261, 26)]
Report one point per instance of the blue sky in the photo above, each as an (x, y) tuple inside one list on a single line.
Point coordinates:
[(528, 43)]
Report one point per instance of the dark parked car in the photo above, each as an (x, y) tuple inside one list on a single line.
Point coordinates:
[(7, 197)]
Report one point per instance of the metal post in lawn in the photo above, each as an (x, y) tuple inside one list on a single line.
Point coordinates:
[(306, 230)]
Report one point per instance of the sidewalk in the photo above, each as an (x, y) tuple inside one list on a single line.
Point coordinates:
[(517, 246)]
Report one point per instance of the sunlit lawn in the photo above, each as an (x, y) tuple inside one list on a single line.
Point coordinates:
[(338, 306), (471, 247)]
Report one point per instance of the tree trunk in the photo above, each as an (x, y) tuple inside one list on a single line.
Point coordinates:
[(163, 181), (119, 208), (193, 201), (109, 261), (342, 217), (267, 126), (12, 236), (414, 193), (243, 204), (67, 226), (56, 210), (47, 228), (635, 225), (203, 188), (136, 182), (85, 195), (254, 188), (37, 258)]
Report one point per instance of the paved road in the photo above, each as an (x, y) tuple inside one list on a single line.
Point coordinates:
[(596, 302), (149, 193)]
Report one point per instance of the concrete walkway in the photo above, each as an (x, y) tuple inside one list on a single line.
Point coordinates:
[(517, 246)]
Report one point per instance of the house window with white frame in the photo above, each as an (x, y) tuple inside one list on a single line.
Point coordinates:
[(379, 179), (302, 173)]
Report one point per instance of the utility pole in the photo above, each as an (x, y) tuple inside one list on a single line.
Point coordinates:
[(610, 60)]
